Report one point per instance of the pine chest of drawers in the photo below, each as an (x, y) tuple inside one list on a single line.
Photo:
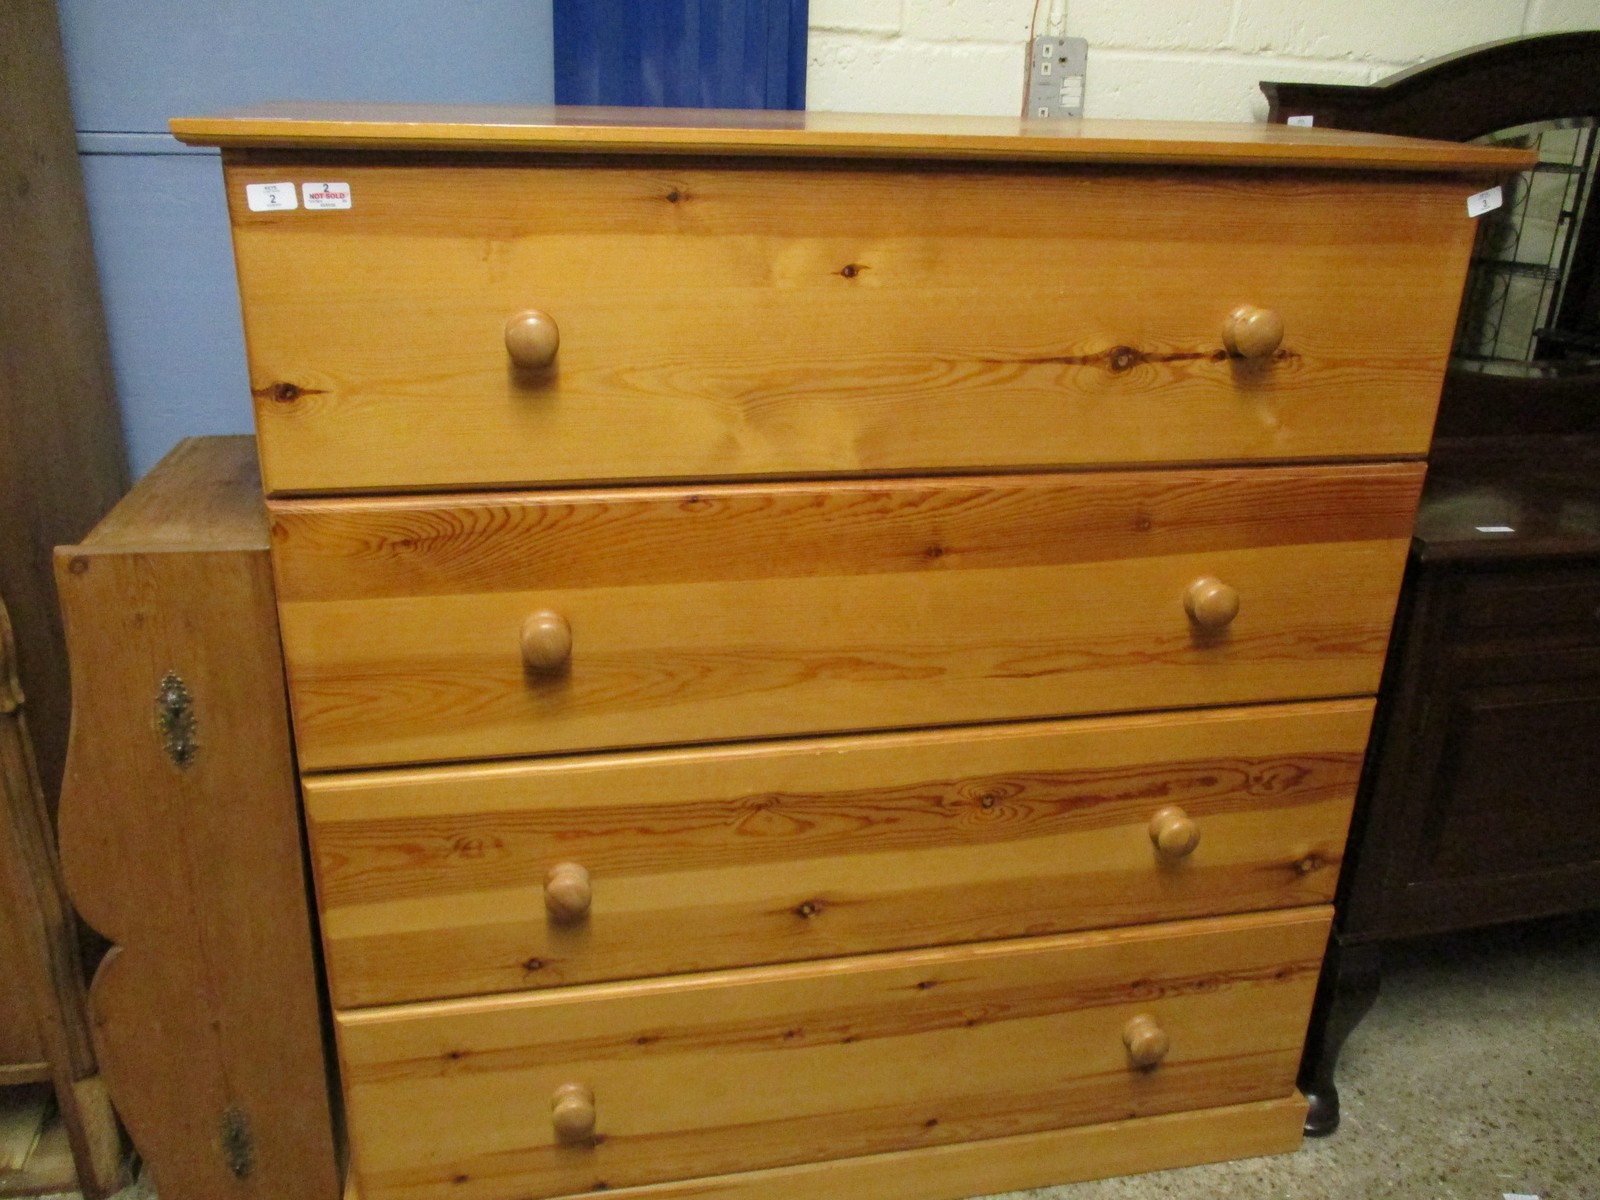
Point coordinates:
[(830, 656)]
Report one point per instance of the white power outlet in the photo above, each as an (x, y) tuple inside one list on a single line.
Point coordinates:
[(1056, 69)]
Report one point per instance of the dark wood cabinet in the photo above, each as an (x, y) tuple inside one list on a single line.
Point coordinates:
[(1481, 799), (1490, 772)]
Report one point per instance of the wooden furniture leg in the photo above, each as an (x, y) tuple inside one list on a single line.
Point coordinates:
[(180, 837), (1345, 993), (39, 952)]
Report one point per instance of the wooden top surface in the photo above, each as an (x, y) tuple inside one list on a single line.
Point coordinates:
[(548, 129), (204, 495), (1496, 499)]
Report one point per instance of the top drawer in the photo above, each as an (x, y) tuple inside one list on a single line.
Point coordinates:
[(727, 319)]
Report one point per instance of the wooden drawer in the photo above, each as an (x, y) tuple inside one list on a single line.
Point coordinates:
[(432, 882), (758, 610), (738, 1070), (754, 319)]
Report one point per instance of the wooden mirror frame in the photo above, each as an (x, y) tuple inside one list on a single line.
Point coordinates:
[(1501, 85)]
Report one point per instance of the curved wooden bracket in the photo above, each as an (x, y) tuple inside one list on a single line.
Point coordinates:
[(206, 1012)]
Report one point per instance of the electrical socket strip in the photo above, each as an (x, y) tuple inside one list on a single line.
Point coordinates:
[(1056, 69)]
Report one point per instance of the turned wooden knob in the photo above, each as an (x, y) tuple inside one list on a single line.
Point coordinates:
[(1173, 833), (1252, 332), (546, 642), (532, 339), (568, 892), (1211, 604), (1146, 1041), (572, 1112)]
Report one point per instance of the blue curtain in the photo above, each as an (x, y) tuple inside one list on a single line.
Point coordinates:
[(681, 53)]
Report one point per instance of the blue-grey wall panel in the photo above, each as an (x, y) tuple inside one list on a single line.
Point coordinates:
[(682, 53), (135, 63), (166, 272), (157, 213)]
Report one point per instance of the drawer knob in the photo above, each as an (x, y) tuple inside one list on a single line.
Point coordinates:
[(572, 1112), (546, 642), (1211, 604), (1251, 332), (1146, 1041), (568, 892), (1173, 832), (532, 339)]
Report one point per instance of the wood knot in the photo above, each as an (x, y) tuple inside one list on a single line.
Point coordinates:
[(78, 565), (809, 908), (851, 270), (533, 964), (934, 552), (238, 1142), (1143, 523), (1122, 358), (674, 196), (1308, 864), (285, 393)]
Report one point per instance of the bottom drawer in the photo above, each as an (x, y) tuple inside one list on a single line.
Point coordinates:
[(738, 1070)]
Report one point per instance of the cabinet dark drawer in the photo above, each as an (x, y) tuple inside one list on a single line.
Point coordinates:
[(1562, 603)]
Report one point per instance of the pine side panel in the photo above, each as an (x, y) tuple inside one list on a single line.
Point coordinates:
[(180, 838)]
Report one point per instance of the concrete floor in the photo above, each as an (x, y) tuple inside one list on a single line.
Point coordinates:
[(1476, 1075)]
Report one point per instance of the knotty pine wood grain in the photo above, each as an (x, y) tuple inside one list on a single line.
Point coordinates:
[(963, 1169), (430, 881), (759, 610), (388, 547), (535, 128), (720, 320), (701, 1075)]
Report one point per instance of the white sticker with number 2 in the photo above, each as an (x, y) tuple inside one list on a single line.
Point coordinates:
[(1483, 202), (270, 197)]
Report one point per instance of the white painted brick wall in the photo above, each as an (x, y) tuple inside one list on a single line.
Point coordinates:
[(1172, 59)]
